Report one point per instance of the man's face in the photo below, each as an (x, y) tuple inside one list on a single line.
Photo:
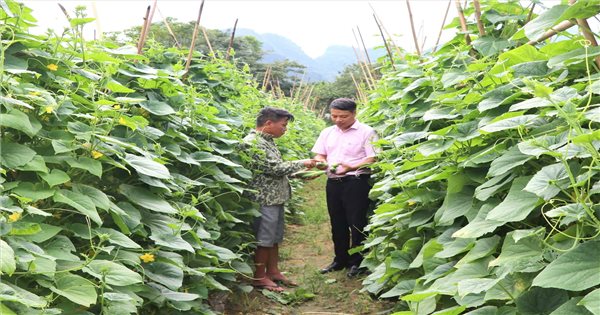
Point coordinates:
[(342, 118), (276, 128)]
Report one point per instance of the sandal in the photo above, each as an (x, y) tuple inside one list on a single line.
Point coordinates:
[(285, 282), (270, 286)]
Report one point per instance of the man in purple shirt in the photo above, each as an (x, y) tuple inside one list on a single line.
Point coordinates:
[(347, 148)]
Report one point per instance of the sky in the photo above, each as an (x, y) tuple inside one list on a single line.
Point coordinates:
[(312, 24)]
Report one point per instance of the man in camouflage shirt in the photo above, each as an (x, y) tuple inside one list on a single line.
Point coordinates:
[(272, 191)]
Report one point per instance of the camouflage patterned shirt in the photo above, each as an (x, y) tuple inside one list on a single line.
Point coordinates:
[(269, 170)]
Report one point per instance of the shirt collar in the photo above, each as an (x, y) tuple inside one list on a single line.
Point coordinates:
[(264, 135), (354, 126)]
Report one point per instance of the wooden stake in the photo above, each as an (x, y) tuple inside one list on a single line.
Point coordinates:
[(437, 42), (212, 52), (584, 26), (463, 22), (564, 25), (65, 12), (412, 27), (144, 26), (363, 44), (193, 43), (387, 47), (530, 13), (166, 22), (231, 40), (478, 17), (361, 66), (398, 51)]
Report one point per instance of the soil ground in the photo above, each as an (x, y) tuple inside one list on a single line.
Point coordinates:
[(306, 249)]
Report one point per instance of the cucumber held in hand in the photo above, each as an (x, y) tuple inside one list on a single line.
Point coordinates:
[(333, 168), (308, 174)]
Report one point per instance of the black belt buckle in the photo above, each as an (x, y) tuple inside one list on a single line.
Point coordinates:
[(349, 178)]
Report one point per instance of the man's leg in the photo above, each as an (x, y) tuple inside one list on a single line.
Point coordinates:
[(339, 223), (266, 236), (356, 204)]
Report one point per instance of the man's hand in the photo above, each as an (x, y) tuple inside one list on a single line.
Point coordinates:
[(321, 164), (343, 168), (309, 163)]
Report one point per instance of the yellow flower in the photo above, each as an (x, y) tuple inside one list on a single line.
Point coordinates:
[(147, 258), (49, 109), (117, 106), (411, 202), (34, 93), (14, 217), (96, 154), (122, 121), (52, 67)]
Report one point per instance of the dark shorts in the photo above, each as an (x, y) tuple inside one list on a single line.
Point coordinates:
[(268, 228)]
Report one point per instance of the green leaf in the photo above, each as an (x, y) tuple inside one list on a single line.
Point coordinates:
[(88, 164), (517, 205), (118, 238), (509, 160), (454, 205), (12, 293), (509, 123), (571, 307), (80, 202), (521, 255), (37, 164), (549, 181), (4, 310), (18, 120), (574, 56), (99, 198), (117, 87), (35, 192), (146, 199), (540, 301), (489, 188), (167, 274), (75, 288), (489, 46), (80, 21), (538, 26), (202, 156), (157, 108), (574, 270), (7, 259), (147, 166), (11, 101), (592, 302), (55, 177), (113, 273), (13, 155)]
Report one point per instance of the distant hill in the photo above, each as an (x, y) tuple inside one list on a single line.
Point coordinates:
[(324, 68)]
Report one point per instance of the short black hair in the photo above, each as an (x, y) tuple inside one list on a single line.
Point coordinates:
[(272, 114), (343, 104)]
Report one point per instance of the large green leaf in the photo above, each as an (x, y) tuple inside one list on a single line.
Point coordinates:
[(540, 301), (517, 205), (55, 177), (147, 166), (489, 46), (13, 293), (146, 199), (523, 255), (509, 160), (7, 259), (81, 202), (592, 302), (571, 307), (18, 120), (157, 108), (35, 192), (574, 270), (167, 274), (75, 288), (99, 198), (86, 163), (538, 26), (113, 273), (13, 155), (549, 181)]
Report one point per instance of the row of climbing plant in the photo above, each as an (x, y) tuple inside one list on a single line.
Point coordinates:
[(489, 184), (121, 179)]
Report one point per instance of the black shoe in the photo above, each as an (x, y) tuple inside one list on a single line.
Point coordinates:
[(355, 271), (334, 266)]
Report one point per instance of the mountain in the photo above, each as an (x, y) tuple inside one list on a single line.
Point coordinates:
[(323, 68)]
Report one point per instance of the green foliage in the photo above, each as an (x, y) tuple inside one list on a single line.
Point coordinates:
[(122, 186), (486, 202)]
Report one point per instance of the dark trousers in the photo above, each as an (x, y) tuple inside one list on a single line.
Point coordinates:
[(347, 203)]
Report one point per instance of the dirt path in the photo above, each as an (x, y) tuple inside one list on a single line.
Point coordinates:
[(306, 249)]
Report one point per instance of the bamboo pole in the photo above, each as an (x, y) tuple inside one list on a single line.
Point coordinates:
[(367, 67), (584, 26), (65, 12), (363, 44), (193, 43), (212, 52), (463, 22), (147, 28), (387, 47), (412, 27), (530, 13), (168, 26), (231, 40), (564, 25), (362, 68), (144, 26), (478, 17), (423, 44), (386, 32), (437, 42)]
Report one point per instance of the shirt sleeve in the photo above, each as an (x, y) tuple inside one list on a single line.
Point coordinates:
[(319, 147), (370, 150)]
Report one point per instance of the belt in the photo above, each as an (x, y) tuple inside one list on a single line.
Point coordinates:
[(349, 178)]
